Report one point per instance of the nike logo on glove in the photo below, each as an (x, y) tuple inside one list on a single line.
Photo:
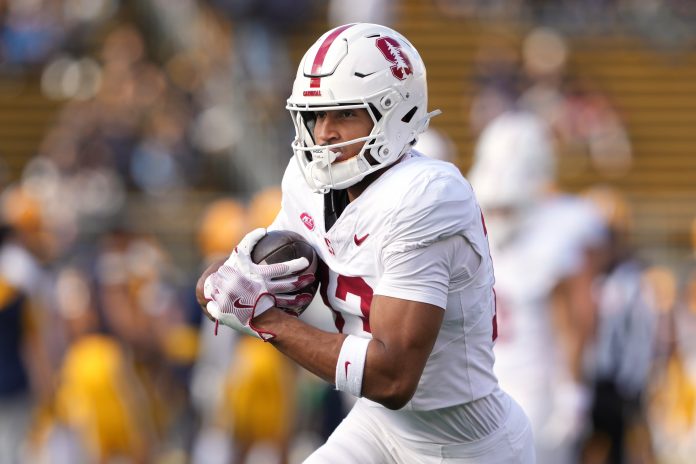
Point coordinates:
[(359, 241), (239, 305), (346, 366)]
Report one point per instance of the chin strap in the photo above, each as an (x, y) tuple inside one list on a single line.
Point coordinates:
[(339, 175)]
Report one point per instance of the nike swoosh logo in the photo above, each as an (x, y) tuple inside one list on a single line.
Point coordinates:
[(346, 366), (360, 240), (238, 304)]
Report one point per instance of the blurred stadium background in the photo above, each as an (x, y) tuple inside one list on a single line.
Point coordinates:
[(138, 139)]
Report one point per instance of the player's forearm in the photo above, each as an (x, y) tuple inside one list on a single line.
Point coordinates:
[(575, 312), (389, 378), (315, 350)]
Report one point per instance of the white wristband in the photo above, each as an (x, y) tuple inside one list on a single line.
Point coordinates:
[(351, 365)]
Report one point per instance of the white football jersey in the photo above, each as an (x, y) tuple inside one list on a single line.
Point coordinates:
[(414, 204), (549, 246)]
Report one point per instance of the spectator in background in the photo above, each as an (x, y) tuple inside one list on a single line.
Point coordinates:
[(484, 9), (545, 247), (29, 32), (534, 77), (162, 162), (580, 116), (258, 29), (498, 79), (624, 349), (260, 68)]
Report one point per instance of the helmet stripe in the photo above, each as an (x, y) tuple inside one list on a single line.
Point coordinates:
[(321, 54)]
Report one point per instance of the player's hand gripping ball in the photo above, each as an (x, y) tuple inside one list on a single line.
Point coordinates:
[(278, 246), (241, 289)]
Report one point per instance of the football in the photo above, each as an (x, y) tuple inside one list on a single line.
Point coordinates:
[(283, 245)]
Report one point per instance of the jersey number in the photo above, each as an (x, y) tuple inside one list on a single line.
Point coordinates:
[(347, 286)]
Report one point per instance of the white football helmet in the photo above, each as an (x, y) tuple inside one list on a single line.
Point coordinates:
[(513, 169), (514, 161), (358, 66)]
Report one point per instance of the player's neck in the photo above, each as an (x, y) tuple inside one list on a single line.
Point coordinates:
[(356, 190)]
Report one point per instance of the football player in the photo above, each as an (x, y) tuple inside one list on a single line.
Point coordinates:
[(545, 247), (406, 266)]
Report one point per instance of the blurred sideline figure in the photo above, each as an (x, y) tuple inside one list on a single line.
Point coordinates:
[(221, 221), (580, 114), (544, 246), (121, 390), (143, 308), (24, 364), (255, 402), (258, 403), (99, 412), (673, 390), (625, 344)]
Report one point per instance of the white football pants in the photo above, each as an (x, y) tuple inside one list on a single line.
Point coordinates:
[(362, 438)]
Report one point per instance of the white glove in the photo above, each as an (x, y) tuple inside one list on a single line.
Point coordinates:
[(294, 304), (241, 290)]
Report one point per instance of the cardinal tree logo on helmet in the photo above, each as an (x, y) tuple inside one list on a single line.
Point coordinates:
[(391, 49)]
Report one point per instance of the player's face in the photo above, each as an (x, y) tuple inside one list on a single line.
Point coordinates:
[(338, 126)]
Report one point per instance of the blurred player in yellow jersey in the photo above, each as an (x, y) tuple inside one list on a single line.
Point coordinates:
[(255, 405), (673, 399), (98, 400), (100, 411), (258, 400), (24, 363)]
